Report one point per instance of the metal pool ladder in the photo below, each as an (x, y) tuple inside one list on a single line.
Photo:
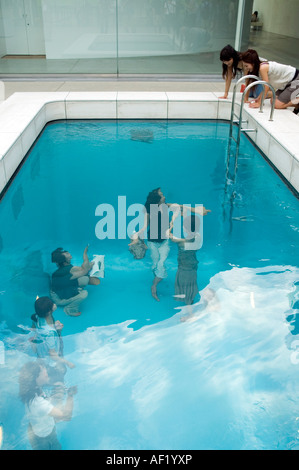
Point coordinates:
[(239, 120)]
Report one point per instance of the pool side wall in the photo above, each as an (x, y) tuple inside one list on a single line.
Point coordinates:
[(24, 115)]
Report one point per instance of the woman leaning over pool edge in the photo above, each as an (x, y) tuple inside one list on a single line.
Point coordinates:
[(232, 66), (283, 78)]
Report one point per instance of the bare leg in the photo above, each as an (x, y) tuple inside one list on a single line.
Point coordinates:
[(154, 287), (281, 105)]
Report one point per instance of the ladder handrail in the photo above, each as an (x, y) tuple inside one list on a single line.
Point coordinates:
[(264, 84), (242, 79), (256, 82)]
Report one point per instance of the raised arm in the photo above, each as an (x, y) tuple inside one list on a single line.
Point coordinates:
[(79, 271), (64, 413), (196, 210)]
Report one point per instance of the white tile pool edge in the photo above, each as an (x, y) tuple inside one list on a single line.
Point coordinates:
[(24, 115)]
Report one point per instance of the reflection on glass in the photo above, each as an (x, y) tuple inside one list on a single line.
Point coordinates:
[(173, 36), (131, 36), (75, 29), (94, 36)]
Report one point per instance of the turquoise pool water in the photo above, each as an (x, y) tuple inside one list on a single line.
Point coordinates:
[(227, 378)]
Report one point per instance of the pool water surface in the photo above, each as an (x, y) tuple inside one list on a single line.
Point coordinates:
[(149, 375)]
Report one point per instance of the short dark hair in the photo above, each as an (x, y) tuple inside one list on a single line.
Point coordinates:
[(57, 256), (43, 305)]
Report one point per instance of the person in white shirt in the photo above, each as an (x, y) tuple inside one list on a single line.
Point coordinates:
[(283, 78), (42, 414)]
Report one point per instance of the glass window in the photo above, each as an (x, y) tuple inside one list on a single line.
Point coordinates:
[(174, 36), (117, 36)]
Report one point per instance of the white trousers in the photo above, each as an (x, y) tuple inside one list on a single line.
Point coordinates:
[(159, 253)]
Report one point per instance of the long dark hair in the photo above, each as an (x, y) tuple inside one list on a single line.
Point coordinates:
[(227, 53), (28, 387), (152, 198), (251, 57)]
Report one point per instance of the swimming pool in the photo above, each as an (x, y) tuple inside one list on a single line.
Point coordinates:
[(228, 378)]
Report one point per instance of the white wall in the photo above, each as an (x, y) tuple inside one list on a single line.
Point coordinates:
[(279, 16)]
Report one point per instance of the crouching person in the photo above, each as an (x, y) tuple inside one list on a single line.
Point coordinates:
[(68, 281)]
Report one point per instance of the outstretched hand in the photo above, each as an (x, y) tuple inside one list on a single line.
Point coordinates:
[(206, 211), (254, 104), (134, 239)]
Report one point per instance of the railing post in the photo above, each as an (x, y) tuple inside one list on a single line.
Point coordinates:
[(263, 83)]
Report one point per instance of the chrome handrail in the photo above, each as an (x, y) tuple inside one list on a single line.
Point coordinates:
[(259, 82), (242, 79), (251, 85)]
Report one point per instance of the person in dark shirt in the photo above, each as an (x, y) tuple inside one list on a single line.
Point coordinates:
[(156, 224), (68, 281)]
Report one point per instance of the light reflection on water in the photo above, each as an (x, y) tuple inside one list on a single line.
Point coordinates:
[(224, 378)]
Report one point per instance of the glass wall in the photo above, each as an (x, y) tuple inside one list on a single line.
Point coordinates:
[(117, 36)]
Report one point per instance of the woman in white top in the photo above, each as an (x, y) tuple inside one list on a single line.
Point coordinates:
[(283, 78), (42, 414)]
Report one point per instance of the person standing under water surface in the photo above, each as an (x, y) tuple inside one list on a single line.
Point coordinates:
[(156, 223)]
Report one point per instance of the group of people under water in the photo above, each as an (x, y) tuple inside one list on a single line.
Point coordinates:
[(68, 283), (283, 78), (41, 383), (158, 243)]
